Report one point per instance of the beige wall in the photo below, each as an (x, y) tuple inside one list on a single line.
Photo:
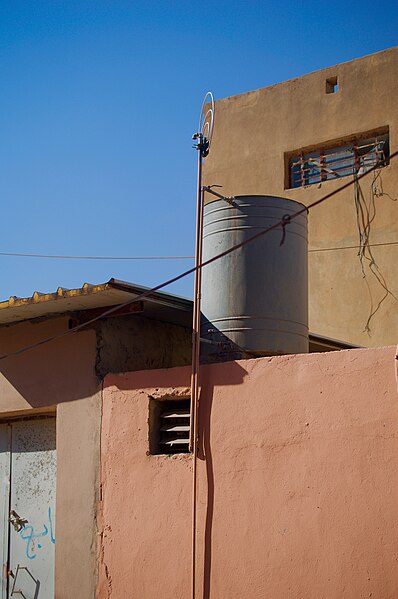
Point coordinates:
[(298, 495), (252, 134)]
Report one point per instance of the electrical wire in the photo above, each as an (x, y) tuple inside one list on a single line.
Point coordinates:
[(66, 257), (366, 214), (352, 247), (280, 224)]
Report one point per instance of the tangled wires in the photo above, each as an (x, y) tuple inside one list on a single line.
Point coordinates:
[(365, 214)]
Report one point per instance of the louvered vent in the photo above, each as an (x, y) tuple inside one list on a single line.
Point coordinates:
[(169, 426), (174, 427)]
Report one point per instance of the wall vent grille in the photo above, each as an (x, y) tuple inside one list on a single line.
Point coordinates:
[(171, 426)]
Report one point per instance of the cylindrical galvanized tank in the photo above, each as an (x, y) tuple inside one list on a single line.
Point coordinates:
[(257, 296)]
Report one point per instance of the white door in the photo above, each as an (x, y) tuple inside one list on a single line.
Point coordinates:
[(28, 475)]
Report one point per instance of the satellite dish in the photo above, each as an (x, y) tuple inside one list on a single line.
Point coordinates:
[(206, 125)]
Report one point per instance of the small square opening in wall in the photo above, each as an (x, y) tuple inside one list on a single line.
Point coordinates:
[(332, 86), (169, 425)]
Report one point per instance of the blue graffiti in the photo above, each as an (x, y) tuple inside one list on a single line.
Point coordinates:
[(28, 534), (51, 526)]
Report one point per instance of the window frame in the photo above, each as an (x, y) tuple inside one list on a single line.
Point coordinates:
[(319, 171)]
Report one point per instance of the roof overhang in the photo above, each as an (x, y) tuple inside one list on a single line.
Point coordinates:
[(163, 306), (319, 343), (157, 304)]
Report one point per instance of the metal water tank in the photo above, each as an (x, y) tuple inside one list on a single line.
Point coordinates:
[(256, 298)]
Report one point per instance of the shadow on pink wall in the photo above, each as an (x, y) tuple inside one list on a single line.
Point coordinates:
[(56, 372), (215, 376), (297, 471)]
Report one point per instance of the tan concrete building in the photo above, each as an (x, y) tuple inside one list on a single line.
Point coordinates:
[(303, 139)]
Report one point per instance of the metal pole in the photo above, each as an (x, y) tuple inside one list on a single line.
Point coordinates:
[(203, 137), (193, 440)]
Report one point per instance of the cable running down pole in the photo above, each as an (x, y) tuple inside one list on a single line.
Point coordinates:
[(203, 142)]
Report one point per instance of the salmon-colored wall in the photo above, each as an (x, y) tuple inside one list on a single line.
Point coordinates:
[(60, 376), (63, 378), (298, 495)]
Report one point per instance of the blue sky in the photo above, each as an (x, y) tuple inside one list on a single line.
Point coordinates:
[(97, 107)]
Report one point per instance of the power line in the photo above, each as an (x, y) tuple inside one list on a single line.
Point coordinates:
[(352, 247), (70, 257), (280, 224), (66, 257)]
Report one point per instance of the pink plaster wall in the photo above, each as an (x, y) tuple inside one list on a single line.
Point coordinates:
[(61, 376), (51, 374), (298, 495)]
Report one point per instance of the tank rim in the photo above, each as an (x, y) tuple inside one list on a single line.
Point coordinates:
[(257, 195)]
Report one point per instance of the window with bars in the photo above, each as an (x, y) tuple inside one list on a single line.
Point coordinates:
[(354, 157), (169, 425)]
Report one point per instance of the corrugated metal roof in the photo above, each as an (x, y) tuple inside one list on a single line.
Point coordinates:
[(111, 293)]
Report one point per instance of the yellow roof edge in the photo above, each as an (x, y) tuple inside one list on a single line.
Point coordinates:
[(36, 297)]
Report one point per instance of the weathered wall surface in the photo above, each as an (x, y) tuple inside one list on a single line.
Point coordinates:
[(139, 343), (62, 374), (253, 132), (62, 370), (64, 377), (298, 494)]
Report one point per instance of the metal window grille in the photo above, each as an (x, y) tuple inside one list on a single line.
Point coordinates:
[(352, 158), (171, 425)]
